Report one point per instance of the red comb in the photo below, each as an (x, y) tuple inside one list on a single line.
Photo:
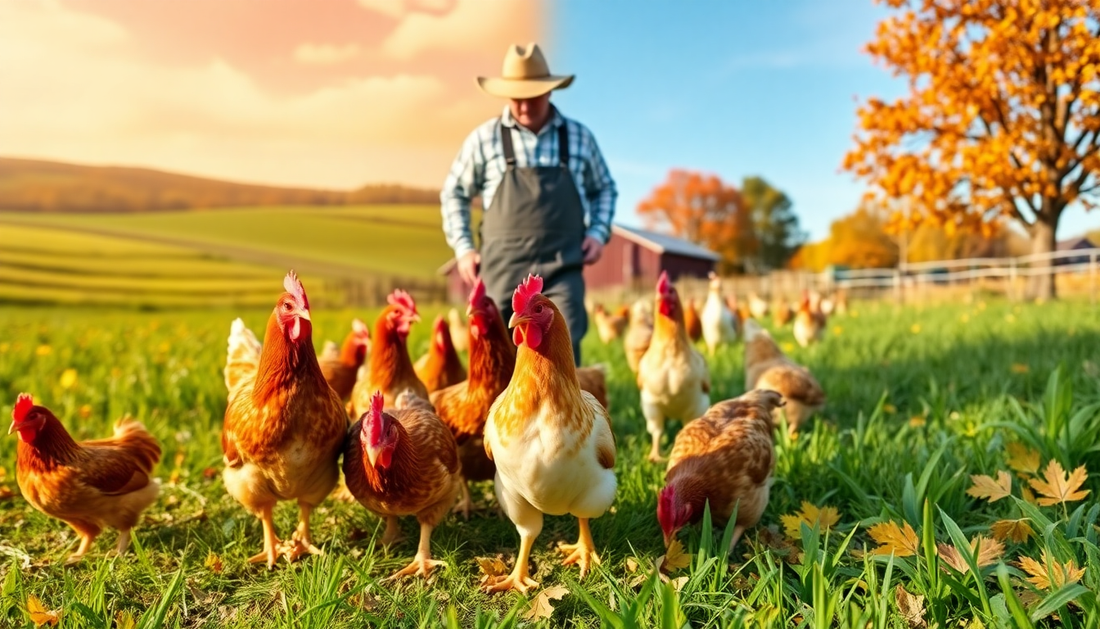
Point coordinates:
[(478, 293), (662, 282), (525, 291), (293, 285), (372, 422), (402, 300), (23, 405)]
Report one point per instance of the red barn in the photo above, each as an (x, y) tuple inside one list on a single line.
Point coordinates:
[(632, 259)]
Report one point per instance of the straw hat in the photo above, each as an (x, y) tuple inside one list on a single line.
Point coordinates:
[(524, 74)]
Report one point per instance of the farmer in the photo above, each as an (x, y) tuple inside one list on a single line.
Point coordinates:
[(548, 193)]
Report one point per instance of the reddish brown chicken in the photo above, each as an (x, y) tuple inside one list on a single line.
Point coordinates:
[(692, 323), (389, 368), (340, 370), (609, 326), (284, 427), (440, 367), (465, 406), (403, 462), (727, 457), (89, 485), (766, 367)]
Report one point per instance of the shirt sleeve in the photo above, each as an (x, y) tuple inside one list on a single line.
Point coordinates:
[(464, 182), (599, 190)]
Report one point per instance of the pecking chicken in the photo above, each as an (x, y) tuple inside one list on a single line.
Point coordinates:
[(284, 427), (460, 334), (389, 368), (781, 312), (404, 462), (691, 321), (673, 376), (638, 333), (464, 407), (719, 326), (609, 326), (88, 485), (766, 367), (340, 370), (551, 441), (725, 457), (808, 323), (440, 367)]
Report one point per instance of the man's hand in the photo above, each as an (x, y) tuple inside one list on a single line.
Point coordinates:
[(468, 267), (592, 249)]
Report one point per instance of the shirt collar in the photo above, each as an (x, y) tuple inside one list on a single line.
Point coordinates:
[(556, 120)]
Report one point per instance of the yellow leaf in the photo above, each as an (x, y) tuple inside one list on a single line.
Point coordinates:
[(910, 606), (837, 330), (1050, 572), (825, 517), (989, 551), (889, 409), (992, 490), (917, 421), (491, 568), (631, 565), (85, 411), (214, 563), (1023, 459), (674, 558), (125, 620), (540, 607), (900, 541), (1016, 530), (1020, 368), (38, 613), (1059, 488), (43, 350), (68, 378), (916, 328)]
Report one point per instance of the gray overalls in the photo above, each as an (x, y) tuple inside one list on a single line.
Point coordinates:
[(535, 224)]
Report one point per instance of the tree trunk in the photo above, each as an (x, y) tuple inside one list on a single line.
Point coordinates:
[(1042, 286)]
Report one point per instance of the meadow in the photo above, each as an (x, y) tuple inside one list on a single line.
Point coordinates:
[(920, 400)]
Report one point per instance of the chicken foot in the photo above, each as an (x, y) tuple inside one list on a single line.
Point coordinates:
[(583, 553), (423, 564), (270, 553), (301, 543), (392, 535), (520, 579), (466, 503), (655, 449)]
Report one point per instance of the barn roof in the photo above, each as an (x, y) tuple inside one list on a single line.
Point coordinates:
[(1082, 242), (663, 243)]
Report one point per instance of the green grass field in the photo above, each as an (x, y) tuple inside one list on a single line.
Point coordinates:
[(919, 400)]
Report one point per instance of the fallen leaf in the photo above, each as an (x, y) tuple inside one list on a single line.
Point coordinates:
[(1050, 572), (889, 408), (1020, 368), (631, 565), (125, 620), (917, 421), (1016, 530), (6, 493), (210, 473), (1058, 487), (1028, 495), (1023, 459), (678, 583), (85, 411), (951, 556), (38, 613), (989, 551), (541, 607), (892, 539), (674, 558), (491, 568), (825, 517), (43, 350), (911, 607), (214, 563), (992, 490)]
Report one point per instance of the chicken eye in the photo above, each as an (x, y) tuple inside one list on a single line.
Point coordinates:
[(538, 308), (287, 306)]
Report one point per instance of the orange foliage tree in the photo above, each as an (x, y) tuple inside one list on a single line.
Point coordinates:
[(705, 210), (1002, 116)]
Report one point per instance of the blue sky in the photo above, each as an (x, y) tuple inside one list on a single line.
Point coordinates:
[(733, 88)]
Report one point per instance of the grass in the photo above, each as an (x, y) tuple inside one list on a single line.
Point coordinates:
[(919, 400)]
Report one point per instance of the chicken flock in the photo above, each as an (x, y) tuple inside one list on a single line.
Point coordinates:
[(407, 439)]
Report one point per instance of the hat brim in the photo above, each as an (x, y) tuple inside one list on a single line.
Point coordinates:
[(522, 88)]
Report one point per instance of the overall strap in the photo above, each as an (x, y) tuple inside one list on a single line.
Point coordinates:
[(563, 143), (506, 141)]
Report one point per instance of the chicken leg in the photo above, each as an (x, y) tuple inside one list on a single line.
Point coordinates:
[(392, 535), (520, 579), (271, 541), (583, 553), (466, 503), (87, 532), (423, 564), (301, 543)]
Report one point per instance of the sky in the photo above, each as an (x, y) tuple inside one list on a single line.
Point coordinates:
[(342, 93)]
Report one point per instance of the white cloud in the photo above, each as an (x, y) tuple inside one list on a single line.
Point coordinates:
[(325, 54)]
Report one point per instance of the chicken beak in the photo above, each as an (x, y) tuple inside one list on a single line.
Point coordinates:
[(517, 319), (469, 310), (303, 313), (12, 428), (372, 455)]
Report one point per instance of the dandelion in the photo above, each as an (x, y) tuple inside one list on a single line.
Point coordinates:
[(837, 330), (1020, 368), (68, 378), (916, 328), (85, 411), (788, 347), (43, 350), (4, 347), (916, 421)]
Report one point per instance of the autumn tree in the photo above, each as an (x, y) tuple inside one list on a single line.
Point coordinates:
[(703, 209), (774, 223), (1002, 115)]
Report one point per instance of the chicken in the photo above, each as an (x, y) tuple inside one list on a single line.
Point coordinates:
[(725, 457), (691, 321), (758, 308), (719, 327), (594, 380), (403, 462), (638, 333), (673, 376), (440, 367), (739, 310), (841, 299), (460, 334), (609, 326), (767, 368), (88, 485), (551, 441), (464, 407), (284, 427), (242, 356), (340, 370), (808, 324), (389, 368), (781, 313), (826, 306)]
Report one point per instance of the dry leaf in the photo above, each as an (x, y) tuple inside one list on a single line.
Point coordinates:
[(950, 556), (210, 473), (491, 568), (911, 607), (1059, 488), (989, 552), (825, 517), (125, 620), (1028, 495), (214, 563), (540, 607), (1042, 573), (992, 490), (631, 565), (38, 613), (6, 493), (1023, 459), (1020, 368), (678, 583), (674, 558), (1016, 530), (900, 541), (889, 408)]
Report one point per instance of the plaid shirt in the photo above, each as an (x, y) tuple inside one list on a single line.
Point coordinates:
[(479, 168)]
